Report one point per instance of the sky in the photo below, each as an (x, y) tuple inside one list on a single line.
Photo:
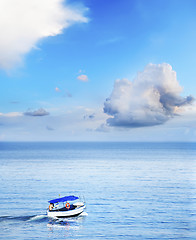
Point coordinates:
[(94, 70)]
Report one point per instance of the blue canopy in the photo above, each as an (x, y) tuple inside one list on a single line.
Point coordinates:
[(63, 199)]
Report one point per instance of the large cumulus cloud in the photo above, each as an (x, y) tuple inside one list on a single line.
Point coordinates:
[(24, 22), (152, 98)]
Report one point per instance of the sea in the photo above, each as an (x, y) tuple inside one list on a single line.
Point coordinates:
[(132, 190)]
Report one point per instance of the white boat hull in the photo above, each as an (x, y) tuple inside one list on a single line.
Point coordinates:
[(64, 214)]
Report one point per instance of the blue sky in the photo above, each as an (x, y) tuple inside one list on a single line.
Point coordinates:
[(97, 70)]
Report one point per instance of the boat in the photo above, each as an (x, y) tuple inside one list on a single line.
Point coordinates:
[(68, 206)]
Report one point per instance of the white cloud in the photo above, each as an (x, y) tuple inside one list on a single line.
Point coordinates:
[(83, 78), (151, 99), (24, 22), (11, 114)]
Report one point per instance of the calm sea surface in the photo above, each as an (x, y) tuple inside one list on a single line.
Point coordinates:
[(132, 190)]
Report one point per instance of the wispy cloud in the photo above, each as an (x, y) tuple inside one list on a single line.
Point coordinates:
[(11, 114), (111, 41), (103, 128), (66, 93), (23, 23), (14, 102), (50, 128), (151, 99), (83, 78), (36, 113), (89, 116), (57, 89)]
